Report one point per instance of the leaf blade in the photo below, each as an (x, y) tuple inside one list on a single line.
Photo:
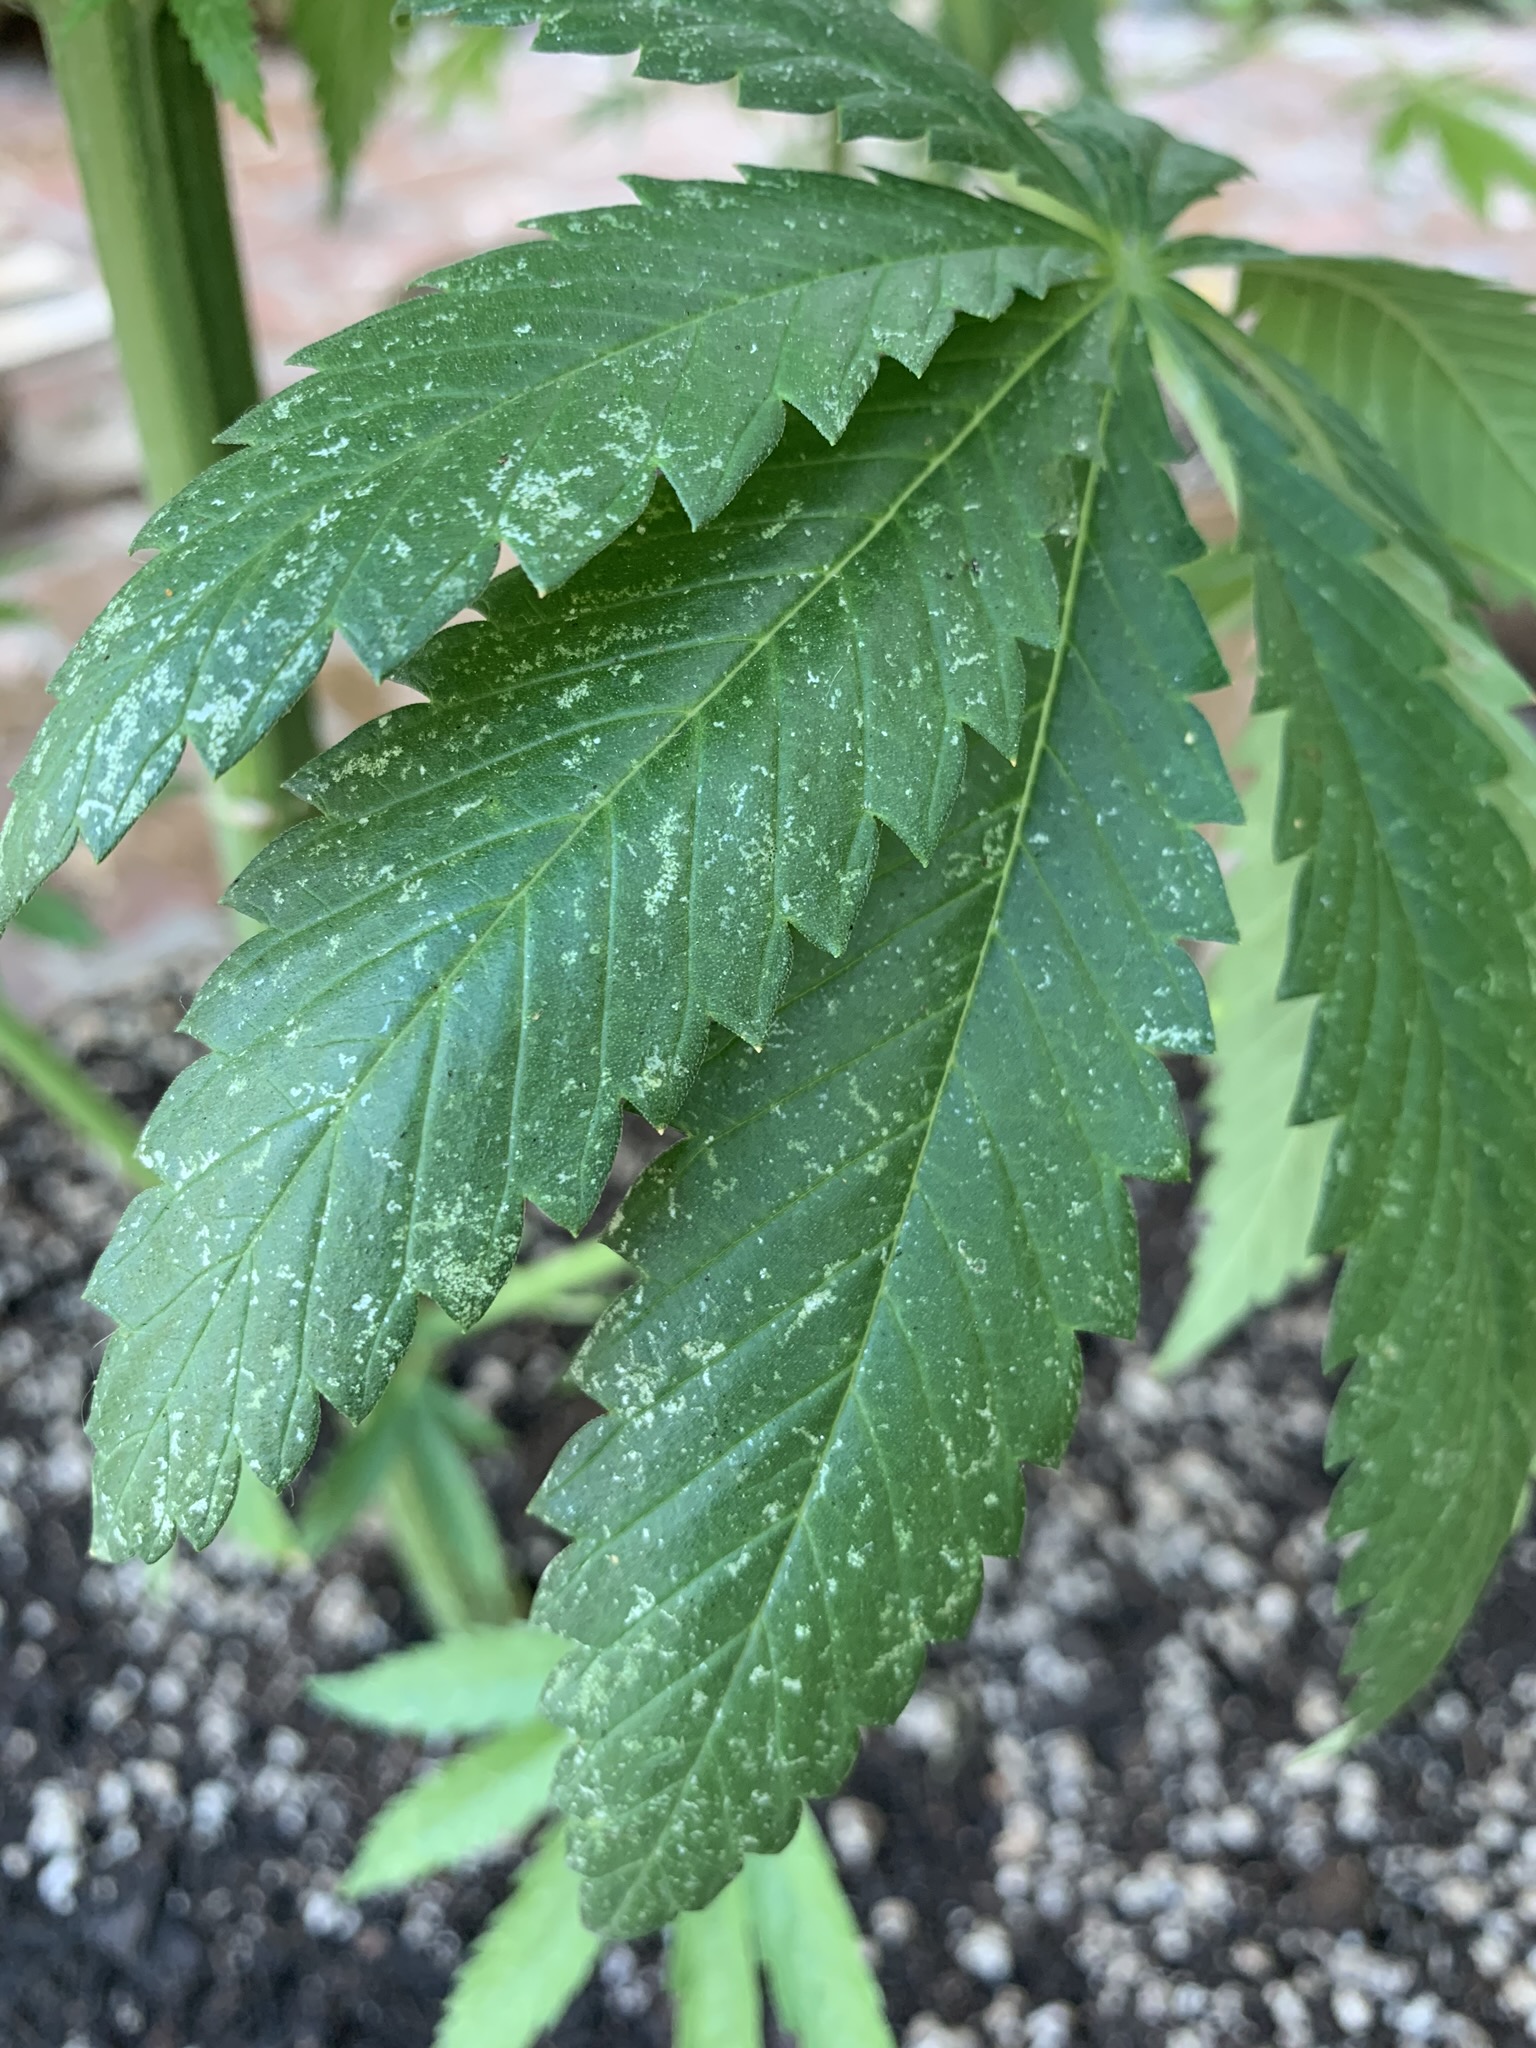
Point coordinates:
[(1261, 1191), (477, 1801), (879, 75), (875, 1197), (1413, 927), (1439, 368), (620, 803), (527, 1966), (531, 399)]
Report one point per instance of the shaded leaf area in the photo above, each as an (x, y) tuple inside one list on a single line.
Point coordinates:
[(222, 37), (531, 398), (800, 57), (529, 898), (1259, 1194), (1408, 928), (1440, 368), (350, 48), (864, 1273)]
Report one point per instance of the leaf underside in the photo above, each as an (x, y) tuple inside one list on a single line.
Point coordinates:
[(531, 398), (1410, 927), (865, 1271), (528, 899), (800, 57), (1259, 1194), (1440, 368)]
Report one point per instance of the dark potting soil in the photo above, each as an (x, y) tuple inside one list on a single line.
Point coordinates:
[(1094, 1824)]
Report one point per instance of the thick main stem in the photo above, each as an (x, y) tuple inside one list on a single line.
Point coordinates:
[(145, 134)]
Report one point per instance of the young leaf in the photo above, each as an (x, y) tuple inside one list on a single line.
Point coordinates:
[(52, 915), (349, 46), (532, 398), (1260, 1192), (1412, 927), (864, 1273), (1440, 368), (528, 1965), (222, 37), (800, 57), (823, 1990), (477, 1801), (712, 1974), (529, 898), (441, 1524), (464, 1685)]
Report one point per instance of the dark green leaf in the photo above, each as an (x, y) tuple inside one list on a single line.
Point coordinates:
[(863, 1275), (1440, 368), (529, 898), (800, 57), (532, 398)]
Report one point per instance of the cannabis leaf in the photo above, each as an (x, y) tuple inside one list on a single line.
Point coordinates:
[(1410, 926), (532, 398), (823, 1990), (466, 1684), (529, 898), (221, 35), (800, 57), (1440, 368), (1260, 1192), (349, 47), (864, 1272), (712, 1975), (529, 1963)]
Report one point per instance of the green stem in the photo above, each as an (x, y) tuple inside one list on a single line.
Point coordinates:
[(145, 133), (61, 1087)]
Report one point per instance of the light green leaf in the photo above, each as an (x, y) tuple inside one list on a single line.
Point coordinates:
[(260, 1525), (52, 915), (222, 37), (863, 1274), (527, 900), (717, 1999), (349, 46), (441, 1525), (823, 1990), (532, 397), (1411, 926), (477, 1801), (987, 32), (465, 1685), (800, 57), (1261, 1190), (1440, 368), (528, 1965)]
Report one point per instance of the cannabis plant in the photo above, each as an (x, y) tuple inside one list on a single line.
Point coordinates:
[(825, 780), (785, 1916)]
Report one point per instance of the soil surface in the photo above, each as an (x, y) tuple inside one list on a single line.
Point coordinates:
[(1094, 1824)]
